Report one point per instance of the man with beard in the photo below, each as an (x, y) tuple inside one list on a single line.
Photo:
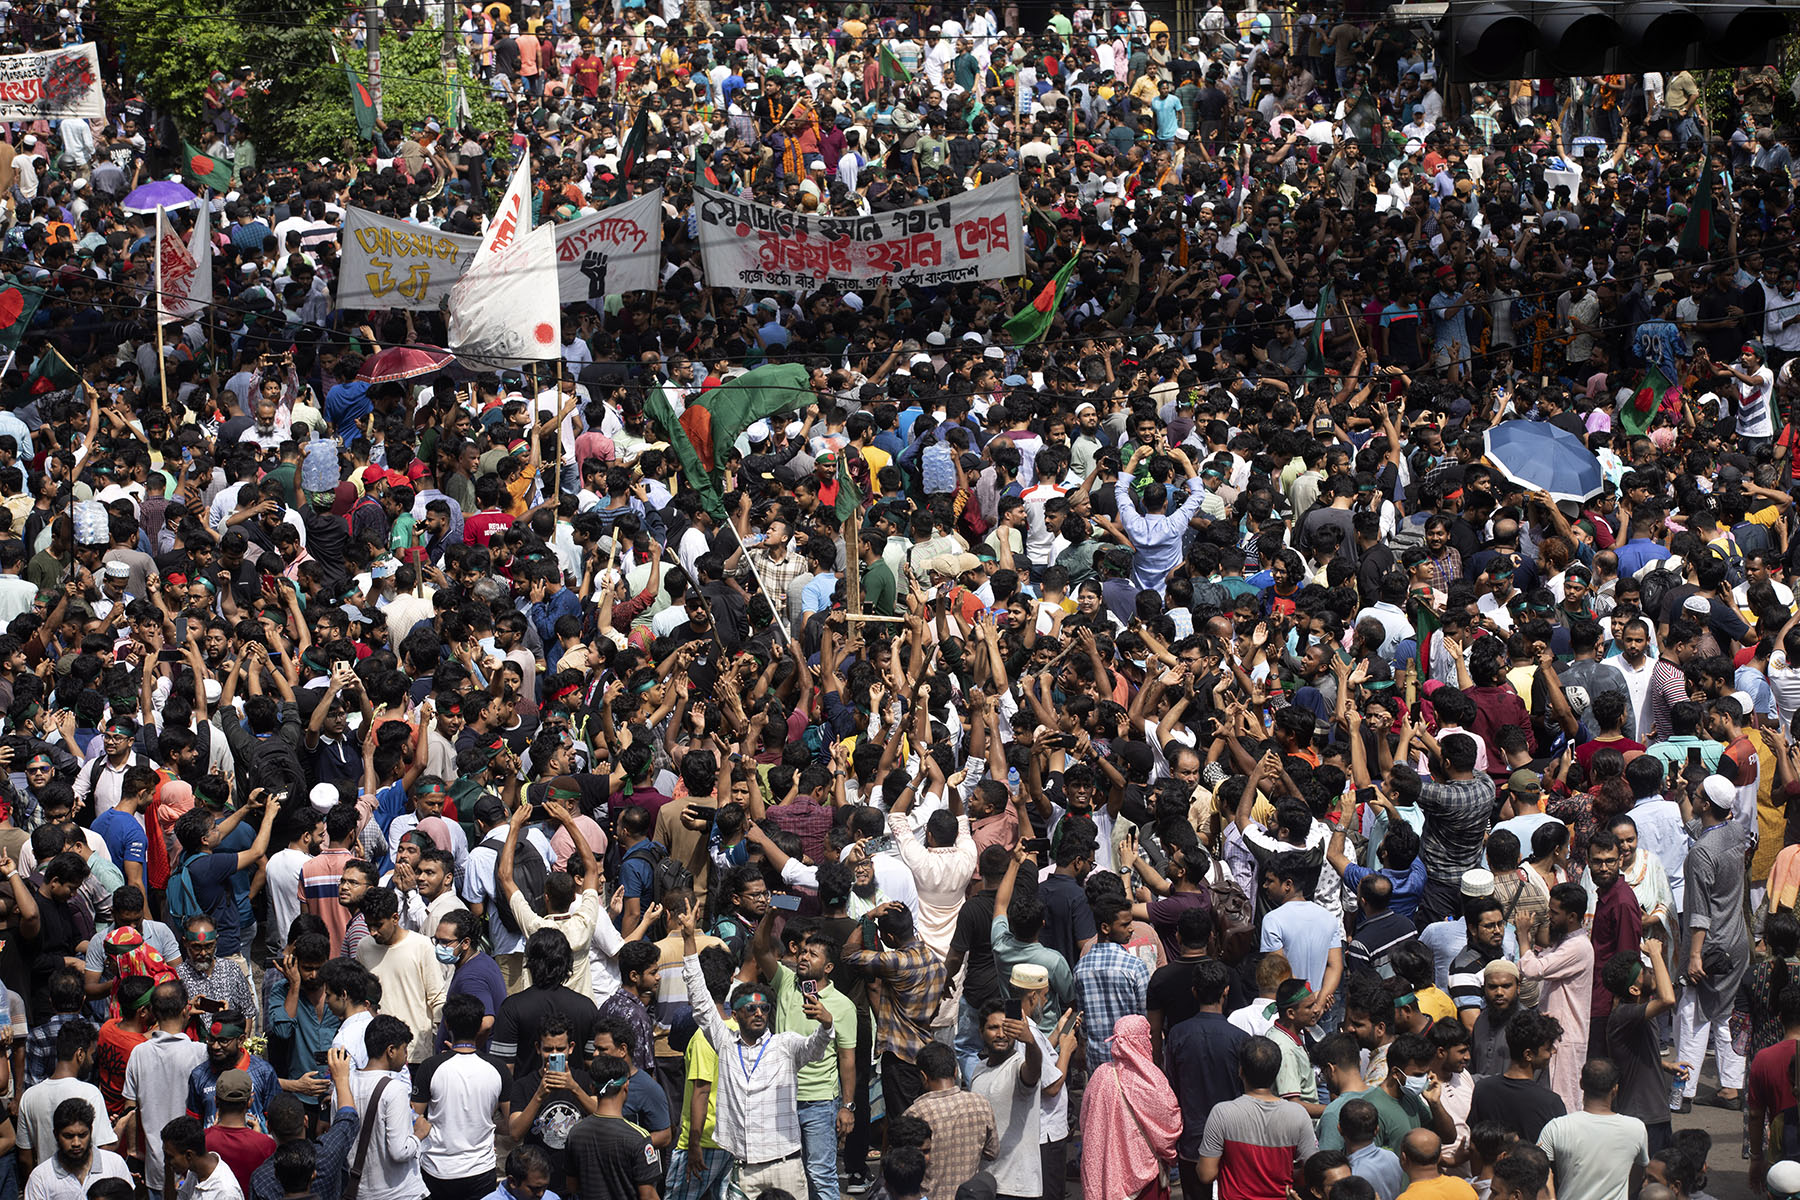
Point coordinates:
[(76, 1045), (77, 1163), (203, 973), (1617, 928), (826, 1093), (223, 1033)]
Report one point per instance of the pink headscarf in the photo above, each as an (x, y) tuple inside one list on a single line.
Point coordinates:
[(1127, 1101), (438, 830)]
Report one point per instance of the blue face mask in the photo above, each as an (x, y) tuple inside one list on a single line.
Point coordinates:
[(446, 954)]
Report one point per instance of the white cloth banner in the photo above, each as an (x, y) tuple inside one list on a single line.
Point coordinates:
[(616, 250), (177, 272), (51, 84), (513, 218), (505, 311), (977, 235), (397, 264)]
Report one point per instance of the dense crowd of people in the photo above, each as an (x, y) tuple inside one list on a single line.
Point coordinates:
[(1165, 750)]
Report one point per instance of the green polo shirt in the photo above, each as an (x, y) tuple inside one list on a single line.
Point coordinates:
[(816, 1080)]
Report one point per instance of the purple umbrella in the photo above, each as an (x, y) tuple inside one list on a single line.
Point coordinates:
[(168, 193)]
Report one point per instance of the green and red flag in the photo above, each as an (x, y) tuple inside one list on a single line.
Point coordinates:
[(661, 414), (1425, 622), (711, 422), (214, 173), (1315, 339), (849, 499), (631, 152), (1033, 322), (1637, 417), (362, 100), (891, 67), (18, 304), (1699, 235)]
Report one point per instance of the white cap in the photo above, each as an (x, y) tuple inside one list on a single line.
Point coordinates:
[(853, 302), (920, 360), (935, 338), (1720, 792), (324, 796), (1478, 881), (1782, 1179), (759, 432)]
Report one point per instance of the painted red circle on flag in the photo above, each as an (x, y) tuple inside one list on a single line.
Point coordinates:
[(12, 303), (202, 165), (545, 335), (743, 230)]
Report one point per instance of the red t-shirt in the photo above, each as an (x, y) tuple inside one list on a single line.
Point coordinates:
[(1772, 1078), (243, 1150), (479, 527), (116, 1045)]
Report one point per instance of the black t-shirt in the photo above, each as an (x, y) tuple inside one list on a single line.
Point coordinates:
[(609, 1158), (1521, 1106), (556, 1116), (974, 937), (515, 1040), (1171, 992), (1635, 1049)]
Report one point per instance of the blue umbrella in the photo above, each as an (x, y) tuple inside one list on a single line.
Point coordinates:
[(168, 193), (1543, 457)]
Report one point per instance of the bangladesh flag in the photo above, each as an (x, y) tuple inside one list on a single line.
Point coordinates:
[(848, 498), (1697, 235), (18, 304), (1315, 340), (1637, 417), (1425, 623), (214, 173), (1030, 324), (662, 415), (891, 67), (631, 153), (362, 100), (50, 373)]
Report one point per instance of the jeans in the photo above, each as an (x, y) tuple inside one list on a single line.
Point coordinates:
[(968, 1040), (715, 1168), (819, 1143), (856, 1146)]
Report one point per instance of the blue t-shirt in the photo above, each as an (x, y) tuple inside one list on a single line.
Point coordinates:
[(479, 977), (124, 837), (241, 837), (646, 1104), (637, 873), (213, 889)]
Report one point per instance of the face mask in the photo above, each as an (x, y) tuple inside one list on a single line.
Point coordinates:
[(1415, 1085), (446, 954)]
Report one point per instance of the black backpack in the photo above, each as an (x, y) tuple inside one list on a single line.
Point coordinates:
[(1653, 586), (666, 874), (529, 873)]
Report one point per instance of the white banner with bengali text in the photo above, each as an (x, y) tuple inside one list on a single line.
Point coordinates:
[(52, 84), (616, 250), (973, 236), (397, 264)]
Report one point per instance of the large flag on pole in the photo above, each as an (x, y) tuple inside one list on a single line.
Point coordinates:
[(506, 311), (631, 152), (18, 304), (177, 272), (1033, 322), (1699, 234), (512, 220), (891, 67), (1315, 338), (361, 100)]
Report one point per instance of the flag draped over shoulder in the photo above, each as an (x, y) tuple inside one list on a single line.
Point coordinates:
[(361, 100), (1697, 236), (1425, 623), (1033, 322)]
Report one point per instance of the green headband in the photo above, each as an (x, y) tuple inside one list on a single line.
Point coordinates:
[(757, 997), (565, 793)]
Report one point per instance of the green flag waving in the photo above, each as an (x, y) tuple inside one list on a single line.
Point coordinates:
[(662, 415), (1698, 235), (849, 499), (1033, 322), (214, 173), (361, 100), (18, 304), (1315, 339), (630, 154), (50, 373), (891, 67)]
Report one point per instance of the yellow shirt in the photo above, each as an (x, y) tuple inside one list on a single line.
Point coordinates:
[(702, 1064)]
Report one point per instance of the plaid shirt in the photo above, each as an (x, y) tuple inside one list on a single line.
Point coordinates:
[(1110, 983), (807, 820), (777, 575), (40, 1048), (913, 979), (226, 984), (1456, 824), (962, 1135)]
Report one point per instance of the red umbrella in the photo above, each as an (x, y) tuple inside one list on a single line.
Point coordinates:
[(404, 362)]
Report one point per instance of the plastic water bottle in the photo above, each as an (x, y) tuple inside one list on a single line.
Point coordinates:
[(1677, 1088), (939, 469), (319, 467)]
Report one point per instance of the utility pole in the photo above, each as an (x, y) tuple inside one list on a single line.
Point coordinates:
[(372, 39), (447, 55)]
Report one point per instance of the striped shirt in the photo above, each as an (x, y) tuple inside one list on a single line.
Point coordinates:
[(319, 893), (1668, 687)]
